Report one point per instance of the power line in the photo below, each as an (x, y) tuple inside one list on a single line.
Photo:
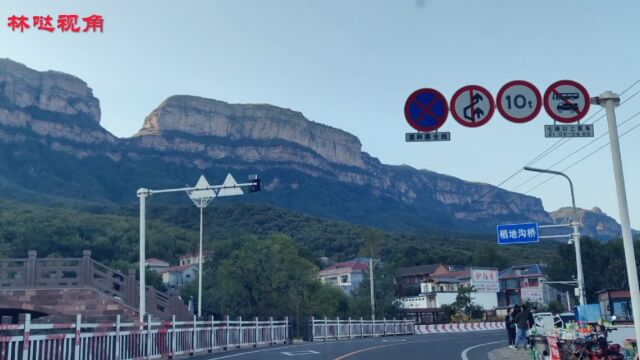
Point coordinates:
[(591, 153), (581, 148), (555, 146)]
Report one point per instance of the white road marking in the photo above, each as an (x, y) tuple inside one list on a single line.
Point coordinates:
[(464, 353), (301, 352), (394, 340)]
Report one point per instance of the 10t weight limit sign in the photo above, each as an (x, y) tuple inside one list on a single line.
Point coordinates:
[(519, 101)]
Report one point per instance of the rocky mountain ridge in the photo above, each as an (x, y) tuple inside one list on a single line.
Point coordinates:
[(50, 135)]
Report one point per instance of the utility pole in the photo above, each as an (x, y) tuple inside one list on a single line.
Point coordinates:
[(373, 299), (609, 101)]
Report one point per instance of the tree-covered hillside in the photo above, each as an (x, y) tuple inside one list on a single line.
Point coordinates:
[(112, 235)]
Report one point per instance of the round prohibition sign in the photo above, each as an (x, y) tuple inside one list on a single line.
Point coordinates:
[(566, 101), (472, 106), (519, 101), (426, 109)]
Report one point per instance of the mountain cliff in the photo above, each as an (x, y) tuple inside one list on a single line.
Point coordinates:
[(52, 145), (593, 223)]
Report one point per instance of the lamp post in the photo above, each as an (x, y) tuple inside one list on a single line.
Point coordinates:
[(201, 198), (576, 233), (228, 188), (609, 101)]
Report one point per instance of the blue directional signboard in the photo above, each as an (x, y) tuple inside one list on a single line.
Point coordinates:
[(518, 233)]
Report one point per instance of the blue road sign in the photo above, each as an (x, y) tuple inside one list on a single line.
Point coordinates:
[(426, 110), (518, 233)]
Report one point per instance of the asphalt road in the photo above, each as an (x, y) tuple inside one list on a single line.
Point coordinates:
[(474, 346)]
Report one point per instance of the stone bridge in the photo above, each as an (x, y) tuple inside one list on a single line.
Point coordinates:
[(63, 287)]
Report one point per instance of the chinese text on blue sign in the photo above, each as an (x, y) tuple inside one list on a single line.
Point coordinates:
[(518, 233)]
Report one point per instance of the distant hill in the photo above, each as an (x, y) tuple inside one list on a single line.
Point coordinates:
[(54, 151), (594, 223)]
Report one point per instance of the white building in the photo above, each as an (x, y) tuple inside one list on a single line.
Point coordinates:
[(192, 259), (441, 288), (178, 276), (346, 275), (156, 265)]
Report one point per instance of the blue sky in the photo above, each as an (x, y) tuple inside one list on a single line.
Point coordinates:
[(352, 64)]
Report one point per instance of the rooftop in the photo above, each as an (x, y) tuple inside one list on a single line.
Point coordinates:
[(526, 270), (179, 268), (347, 266), (419, 270)]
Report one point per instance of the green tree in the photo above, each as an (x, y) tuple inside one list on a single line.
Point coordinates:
[(265, 276), (463, 309), (384, 294)]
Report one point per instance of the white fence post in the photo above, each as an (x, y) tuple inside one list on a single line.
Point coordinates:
[(239, 331), (384, 326), (117, 350), (270, 330), (212, 337), (255, 342), (78, 339), (174, 337), (361, 328), (148, 352), (226, 346), (326, 329), (25, 338), (349, 333), (194, 337), (286, 330), (338, 328)]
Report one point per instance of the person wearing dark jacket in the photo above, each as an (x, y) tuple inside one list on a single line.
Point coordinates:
[(522, 323), (510, 325)]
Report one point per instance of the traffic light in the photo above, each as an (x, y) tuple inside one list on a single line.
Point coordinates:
[(256, 183)]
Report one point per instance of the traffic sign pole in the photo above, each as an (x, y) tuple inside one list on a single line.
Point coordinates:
[(609, 101)]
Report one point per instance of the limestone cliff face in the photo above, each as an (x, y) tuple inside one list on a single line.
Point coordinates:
[(312, 167), (49, 103), (593, 223), (203, 127), (207, 117)]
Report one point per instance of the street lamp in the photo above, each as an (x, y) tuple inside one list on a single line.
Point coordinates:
[(576, 233), (609, 101), (228, 188), (201, 198)]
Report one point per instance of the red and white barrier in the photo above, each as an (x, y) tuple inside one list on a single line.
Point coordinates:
[(457, 328)]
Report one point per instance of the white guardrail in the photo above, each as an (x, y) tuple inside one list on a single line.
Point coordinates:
[(134, 340), (336, 329)]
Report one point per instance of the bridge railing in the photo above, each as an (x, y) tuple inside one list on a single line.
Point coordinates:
[(54, 273), (341, 329), (135, 340)]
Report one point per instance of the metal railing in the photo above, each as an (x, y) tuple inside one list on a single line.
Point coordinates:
[(337, 329), (134, 340)]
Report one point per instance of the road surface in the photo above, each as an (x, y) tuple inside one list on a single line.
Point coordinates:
[(456, 346)]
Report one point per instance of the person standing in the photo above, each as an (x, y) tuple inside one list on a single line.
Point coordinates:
[(522, 323), (509, 324)]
